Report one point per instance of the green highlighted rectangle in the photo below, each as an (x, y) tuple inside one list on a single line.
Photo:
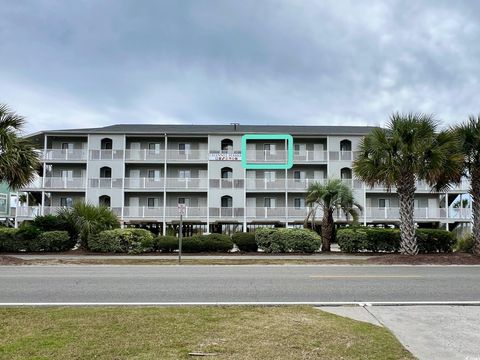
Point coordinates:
[(287, 137)]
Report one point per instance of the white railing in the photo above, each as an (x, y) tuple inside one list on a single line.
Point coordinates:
[(64, 182), (105, 183), (422, 186), (267, 156), (65, 154), (265, 184), (144, 154), (190, 155), (261, 213), (106, 154), (343, 155), (144, 183), (310, 155), (227, 183), (187, 183)]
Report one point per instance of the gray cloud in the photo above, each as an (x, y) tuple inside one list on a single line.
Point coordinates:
[(88, 63)]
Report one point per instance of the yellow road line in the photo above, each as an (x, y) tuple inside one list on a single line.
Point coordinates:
[(366, 276)]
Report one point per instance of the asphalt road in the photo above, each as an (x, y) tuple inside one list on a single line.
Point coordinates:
[(245, 283)]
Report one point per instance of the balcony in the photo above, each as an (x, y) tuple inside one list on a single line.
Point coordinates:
[(309, 156), (422, 186), (187, 155), (144, 155), (227, 183), (144, 183), (56, 183), (180, 184), (106, 154), (105, 183), (343, 155), (64, 155)]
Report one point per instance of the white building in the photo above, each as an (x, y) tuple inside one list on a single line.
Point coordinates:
[(143, 171)]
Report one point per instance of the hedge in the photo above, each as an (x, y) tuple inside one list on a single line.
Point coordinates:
[(245, 241), (287, 240), (29, 238), (388, 240), (464, 244), (195, 244), (132, 241)]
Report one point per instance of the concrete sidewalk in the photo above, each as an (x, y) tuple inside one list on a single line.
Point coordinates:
[(428, 332)]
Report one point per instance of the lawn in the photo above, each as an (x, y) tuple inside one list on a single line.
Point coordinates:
[(174, 332)]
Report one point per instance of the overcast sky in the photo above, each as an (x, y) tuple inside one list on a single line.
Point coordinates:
[(67, 64)]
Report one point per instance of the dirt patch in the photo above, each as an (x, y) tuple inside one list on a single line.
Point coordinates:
[(426, 259), (11, 260)]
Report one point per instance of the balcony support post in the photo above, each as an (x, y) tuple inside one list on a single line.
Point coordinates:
[(43, 203), (164, 222)]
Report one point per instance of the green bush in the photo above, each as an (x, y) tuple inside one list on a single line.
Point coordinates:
[(165, 243), (52, 241), (351, 240), (215, 242), (29, 238), (132, 241), (245, 241), (287, 240), (434, 240), (50, 223), (464, 244), (388, 240)]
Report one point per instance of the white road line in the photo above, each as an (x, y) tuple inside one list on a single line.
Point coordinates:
[(247, 303)]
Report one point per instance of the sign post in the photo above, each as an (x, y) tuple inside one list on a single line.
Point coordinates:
[(181, 211)]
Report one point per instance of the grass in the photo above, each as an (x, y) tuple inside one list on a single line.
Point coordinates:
[(174, 332)]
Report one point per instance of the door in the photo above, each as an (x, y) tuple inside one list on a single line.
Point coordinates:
[(135, 153), (133, 207), (251, 206), (251, 152), (134, 179), (67, 178)]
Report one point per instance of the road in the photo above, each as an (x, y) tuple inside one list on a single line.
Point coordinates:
[(245, 283)]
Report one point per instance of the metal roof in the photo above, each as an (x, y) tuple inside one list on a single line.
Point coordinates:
[(217, 129)]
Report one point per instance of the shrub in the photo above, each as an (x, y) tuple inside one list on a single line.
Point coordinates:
[(165, 243), (434, 240), (263, 238), (50, 223), (388, 240), (245, 241), (464, 244), (215, 242), (351, 240), (132, 241), (287, 240), (9, 240), (52, 241)]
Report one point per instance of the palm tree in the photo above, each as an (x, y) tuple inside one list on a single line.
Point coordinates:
[(85, 220), (331, 196), (409, 149), (469, 135), (18, 159)]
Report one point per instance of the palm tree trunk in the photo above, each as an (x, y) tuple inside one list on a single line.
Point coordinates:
[(406, 194), (475, 192), (327, 229)]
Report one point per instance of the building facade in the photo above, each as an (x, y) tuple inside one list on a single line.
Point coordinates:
[(144, 171)]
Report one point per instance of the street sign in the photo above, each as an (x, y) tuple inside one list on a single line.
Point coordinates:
[(181, 209)]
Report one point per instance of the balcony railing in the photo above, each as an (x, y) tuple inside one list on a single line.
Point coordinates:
[(65, 154), (144, 155), (187, 183), (227, 183), (310, 155), (106, 183), (423, 186), (262, 213), (106, 154), (187, 155), (144, 183), (343, 155)]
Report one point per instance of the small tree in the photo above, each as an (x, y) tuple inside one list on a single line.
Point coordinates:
[(329, 197), (469, 136), (87, 219), (409, 149), (18, 159)]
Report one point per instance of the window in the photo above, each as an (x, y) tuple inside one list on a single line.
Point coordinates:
[(226, 146), (106, 144), (184, 148), (345, 145), (269, 149), (67, 146), (66, 202), (227, 173), (154, 147), (184, 174), (105, 172), (151, 202), (298, 175), (226, 201), (346, 174), (269, 202), (104, 200), (182, 200), (67, 174), (299, 203), (3, 203), (154, 174), (300, 149), (270, 176), (383, 203)]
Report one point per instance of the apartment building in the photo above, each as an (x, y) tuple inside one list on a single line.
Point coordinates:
[(144, 171)]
